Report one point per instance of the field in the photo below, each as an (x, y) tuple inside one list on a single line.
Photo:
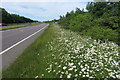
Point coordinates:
[(61, 53)]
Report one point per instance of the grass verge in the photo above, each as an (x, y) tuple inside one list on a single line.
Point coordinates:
[(32, 61), (14, 27), (61, 53)]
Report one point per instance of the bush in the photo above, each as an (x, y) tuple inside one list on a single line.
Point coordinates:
[(81, 22), (100, 22), (102, 33)]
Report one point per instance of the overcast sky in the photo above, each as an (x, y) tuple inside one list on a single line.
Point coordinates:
[(43, 10)]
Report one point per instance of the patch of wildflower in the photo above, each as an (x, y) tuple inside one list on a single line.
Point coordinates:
[(77, 56)]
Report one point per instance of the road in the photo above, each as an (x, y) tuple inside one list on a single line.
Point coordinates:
[(15, 41), (12, 36)]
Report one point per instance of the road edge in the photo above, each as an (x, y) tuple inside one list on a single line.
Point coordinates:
[(18, 48)]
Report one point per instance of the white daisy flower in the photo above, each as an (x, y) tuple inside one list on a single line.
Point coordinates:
[(42, 74), (36, 76), (70, 64), (74, 66), (76, 75), (70, 69), (64, 67), (69, 75)]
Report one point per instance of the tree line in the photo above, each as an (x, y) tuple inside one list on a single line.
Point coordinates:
[(100, 21), (8, 18)]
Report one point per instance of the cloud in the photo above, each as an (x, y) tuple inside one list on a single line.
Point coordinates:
[(42, 10)]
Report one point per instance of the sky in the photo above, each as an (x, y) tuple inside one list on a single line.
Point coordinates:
[(43, 10)]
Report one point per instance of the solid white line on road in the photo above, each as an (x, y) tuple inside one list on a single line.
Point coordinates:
[(21, 41)]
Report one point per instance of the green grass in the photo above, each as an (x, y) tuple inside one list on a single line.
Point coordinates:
[(30, 64), (14, 27), (61, 53)]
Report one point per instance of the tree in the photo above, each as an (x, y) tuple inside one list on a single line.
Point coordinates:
[(13, 18), (97, 8)]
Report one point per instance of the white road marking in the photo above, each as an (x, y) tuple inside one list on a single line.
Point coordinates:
[(22, 41)]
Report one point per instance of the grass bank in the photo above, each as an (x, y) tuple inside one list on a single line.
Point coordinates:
[(14, 27), (61, 53)]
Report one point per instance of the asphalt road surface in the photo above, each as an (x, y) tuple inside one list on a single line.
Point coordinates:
[(14, 41), (12, 36)]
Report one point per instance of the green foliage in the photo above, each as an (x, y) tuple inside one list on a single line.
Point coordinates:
[(110, 22), (100, 8), (96, 8), (100, 22), (70, 19), (102, 33), (81, 22)]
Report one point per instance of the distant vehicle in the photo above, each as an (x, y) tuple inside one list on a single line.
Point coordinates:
[(2, 24), (29, 23), (56, 22)]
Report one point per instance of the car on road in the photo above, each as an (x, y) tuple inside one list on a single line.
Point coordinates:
[(29, 23), (3, 24)]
